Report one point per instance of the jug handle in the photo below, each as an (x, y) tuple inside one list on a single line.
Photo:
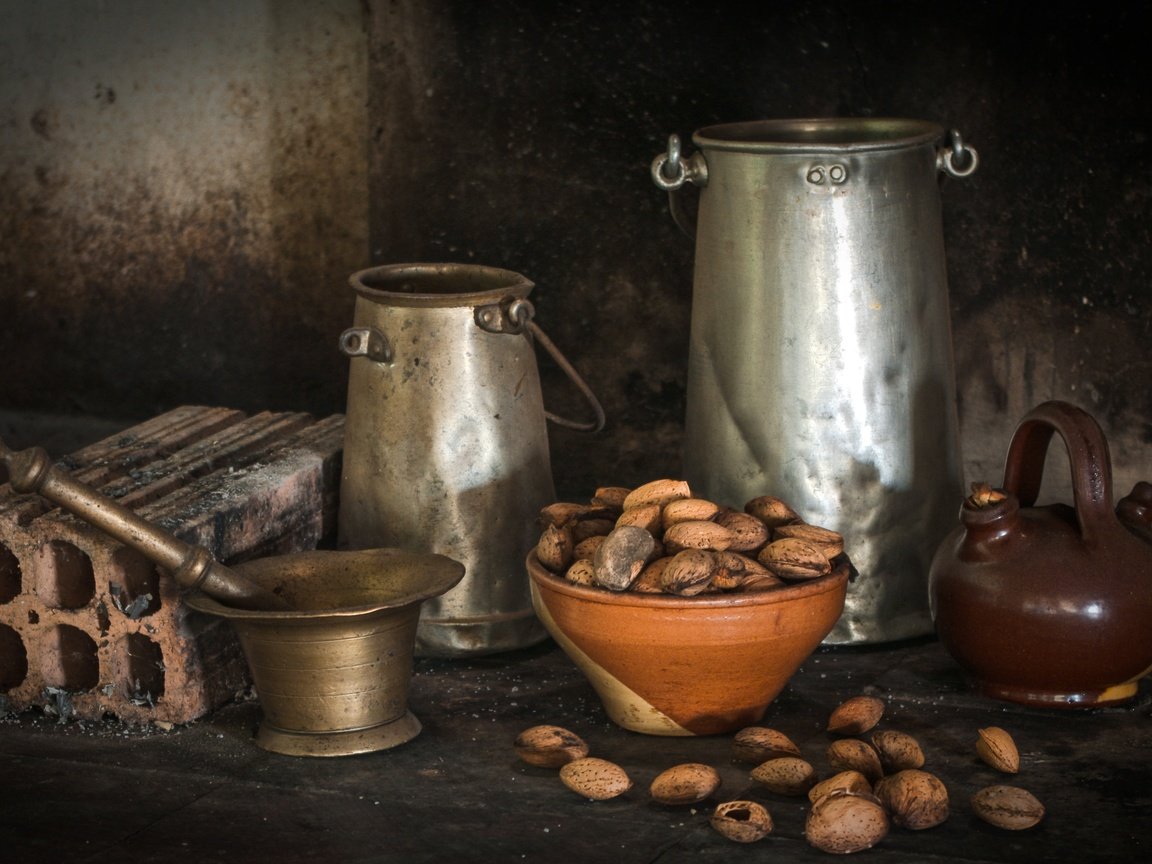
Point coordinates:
[(515, 316), (958, 159), (670, 173), (1087, 452)]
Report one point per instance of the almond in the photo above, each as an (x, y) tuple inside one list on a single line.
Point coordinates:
[(554, 549), (914, 799), (826, 540), (582, 529), (689, 510), (851, 781), (760, 582), (758, 744), (1008, 807), (646, 516), (595, 778), (996, 747), (771, 511), (549, 746), (742, 821), (561, 513), (658, 491), (792, 558), (697, 534), (852, 754), (685, 784), (749, 534), (689, 572), (611, 497), (856, 716), (898, 751), (845, 822), (587, 547), (650, 580), (786, 775), (581, 572)]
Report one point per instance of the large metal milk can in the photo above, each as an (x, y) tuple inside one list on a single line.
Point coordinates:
[(820, 362), (446, 446)]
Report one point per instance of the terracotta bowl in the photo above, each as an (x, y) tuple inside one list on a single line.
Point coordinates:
[(666, 665)]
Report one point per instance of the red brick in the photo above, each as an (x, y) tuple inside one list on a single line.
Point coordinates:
[(78, 632)]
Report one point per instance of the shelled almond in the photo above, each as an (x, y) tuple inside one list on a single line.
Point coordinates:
[(763, 546)]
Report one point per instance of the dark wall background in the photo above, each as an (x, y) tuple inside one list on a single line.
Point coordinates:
[(519, 134)]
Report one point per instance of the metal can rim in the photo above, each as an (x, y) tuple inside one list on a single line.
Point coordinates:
[(819, 135), (438, 284)]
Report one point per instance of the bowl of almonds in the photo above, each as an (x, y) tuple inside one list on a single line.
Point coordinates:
[(688, 617)]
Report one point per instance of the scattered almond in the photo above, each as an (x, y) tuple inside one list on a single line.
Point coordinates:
[(595, 778), (1008, 807), (852, 754), (757, 744), (898, 751), (914, 799), (845, 822), (548, 746), (851, 781), (786, 775), (997, 748), (742, 821), (856, 716), (685, 784)]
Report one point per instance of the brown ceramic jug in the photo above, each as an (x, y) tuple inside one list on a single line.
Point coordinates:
[(1049, 606)]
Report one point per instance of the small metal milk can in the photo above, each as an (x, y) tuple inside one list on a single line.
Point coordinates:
[(446, 445), (820, 362)]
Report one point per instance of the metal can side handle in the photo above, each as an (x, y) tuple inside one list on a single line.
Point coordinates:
[(670, 172), (515, 317), (366, 342), (958, 159)]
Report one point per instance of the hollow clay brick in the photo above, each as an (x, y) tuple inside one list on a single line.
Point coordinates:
[(88, 627)]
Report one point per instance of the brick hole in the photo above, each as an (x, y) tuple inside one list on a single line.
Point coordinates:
[(134, 583), (65, 578), (9, 574), (13, 659), (69, 660), (144, 669)]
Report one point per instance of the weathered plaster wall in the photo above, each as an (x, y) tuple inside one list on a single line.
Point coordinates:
[(184, 193)]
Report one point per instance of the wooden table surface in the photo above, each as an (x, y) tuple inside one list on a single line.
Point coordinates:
[(104, 792)]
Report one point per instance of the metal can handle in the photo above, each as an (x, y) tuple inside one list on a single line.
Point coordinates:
[(958, 159), (670, 172), (516, 316)]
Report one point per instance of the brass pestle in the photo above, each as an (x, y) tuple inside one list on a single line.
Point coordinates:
[(193, 567)]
